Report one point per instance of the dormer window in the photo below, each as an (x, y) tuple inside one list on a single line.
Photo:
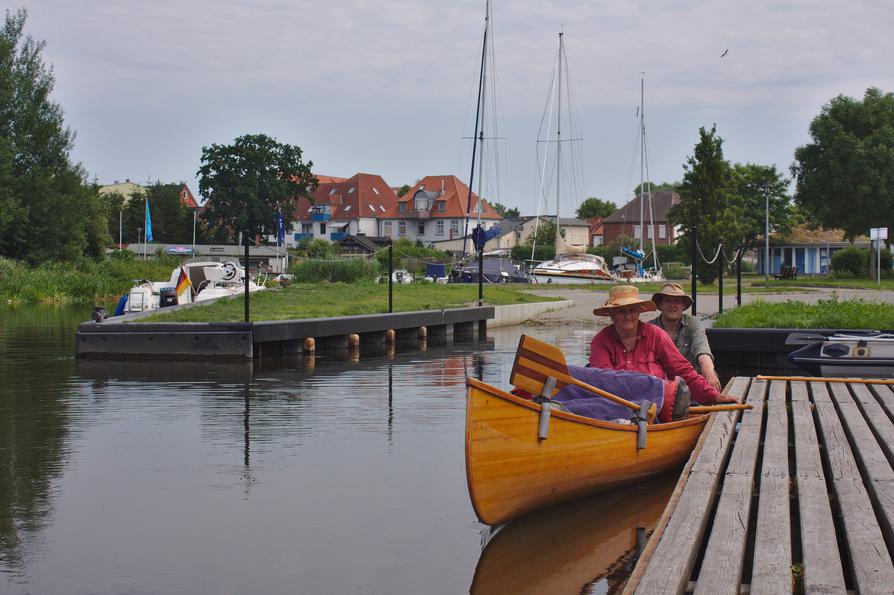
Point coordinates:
[(333, 191), (422, 201), (442, 206), (375, 190), (403, 207), (347, 208)]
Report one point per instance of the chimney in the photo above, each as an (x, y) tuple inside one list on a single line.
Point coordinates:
[(442, 186)]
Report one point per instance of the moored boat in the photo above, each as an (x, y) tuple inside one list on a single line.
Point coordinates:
[(573, 268), (863, 354), (510, 471)]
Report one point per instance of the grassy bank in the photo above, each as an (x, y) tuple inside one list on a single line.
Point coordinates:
[(832, 313), (83, 282), (302, 300)]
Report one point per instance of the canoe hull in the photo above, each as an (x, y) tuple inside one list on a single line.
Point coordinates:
[(511, 472)]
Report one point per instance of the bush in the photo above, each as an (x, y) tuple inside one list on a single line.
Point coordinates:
[(522, 253), (348, 270), (854, 262), (675, 270), (411, 256)]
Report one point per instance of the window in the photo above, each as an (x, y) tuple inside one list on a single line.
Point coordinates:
[(322, 229), (439, 227), (454, 226), (402, 229), (637, 231), (420, 228), (375, 190), (662, 232), (422, 203), (333, 191), (387, 231), (307, 228), (403, 207), (442, 206), (381, 208), (348, 208), (351, 190), (371, 208)]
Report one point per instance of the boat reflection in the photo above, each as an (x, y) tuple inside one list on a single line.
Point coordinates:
[(588, 545)]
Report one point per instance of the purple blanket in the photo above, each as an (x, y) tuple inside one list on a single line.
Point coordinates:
[(632, 386)]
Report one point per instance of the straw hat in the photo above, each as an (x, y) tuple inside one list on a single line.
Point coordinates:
[(672, 290), (624, 295)]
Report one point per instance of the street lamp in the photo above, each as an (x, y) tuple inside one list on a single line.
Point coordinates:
[(140, 234)]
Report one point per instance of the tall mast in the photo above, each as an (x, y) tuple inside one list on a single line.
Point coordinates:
[(642, 162), (559, 146), (478, 116)]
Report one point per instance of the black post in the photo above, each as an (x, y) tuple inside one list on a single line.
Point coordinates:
[(720, 261), (693, 257), (390, 273), (739, 276), (481, 274), (246, 280)]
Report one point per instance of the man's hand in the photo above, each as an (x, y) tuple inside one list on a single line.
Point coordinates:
[(724, 398), (711, 377)]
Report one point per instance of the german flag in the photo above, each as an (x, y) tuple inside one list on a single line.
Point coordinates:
[(183, 283)]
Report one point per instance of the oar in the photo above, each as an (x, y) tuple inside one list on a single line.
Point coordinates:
[(535, 361), (823, 379)]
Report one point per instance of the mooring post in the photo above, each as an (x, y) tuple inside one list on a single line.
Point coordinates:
[(693, 257), (390, 272), (720, 263)]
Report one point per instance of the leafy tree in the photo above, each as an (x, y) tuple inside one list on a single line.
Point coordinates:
[(171, 219), (504, 211), (705, 203), (595, 207), (845, 174), (47, 211), (403, 190), (662, 187), (244, 184)]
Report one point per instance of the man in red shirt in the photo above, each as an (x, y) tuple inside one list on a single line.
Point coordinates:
[(628, 344)]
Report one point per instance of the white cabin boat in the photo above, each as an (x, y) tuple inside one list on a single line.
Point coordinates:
[(846, 354)]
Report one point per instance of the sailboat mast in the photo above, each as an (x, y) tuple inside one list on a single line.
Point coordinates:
[(642, 162), (478, 115), (559, 147)]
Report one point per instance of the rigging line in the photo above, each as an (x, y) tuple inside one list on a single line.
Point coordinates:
[(702, 254), (541, 167), (477, 114), (652, 230)]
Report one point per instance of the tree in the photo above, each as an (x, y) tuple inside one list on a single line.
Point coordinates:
[(844, 176), (171, 219), (505, 212), (47, 211), (595, 207), (246, 182), (662, 187), (403, 190), (705, 203)]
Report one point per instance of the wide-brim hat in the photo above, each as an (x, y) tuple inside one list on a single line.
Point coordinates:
[(672, 290), (624, 295)]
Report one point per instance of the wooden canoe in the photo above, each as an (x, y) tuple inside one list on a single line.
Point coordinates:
[(511, 472)]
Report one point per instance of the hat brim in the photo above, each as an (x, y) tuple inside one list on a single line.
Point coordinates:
[(656, 297), (644, 306)]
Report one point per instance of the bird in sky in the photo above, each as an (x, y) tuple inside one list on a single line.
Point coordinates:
[(725, 52)]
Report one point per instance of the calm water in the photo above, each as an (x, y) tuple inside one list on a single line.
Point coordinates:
[(318, 475)]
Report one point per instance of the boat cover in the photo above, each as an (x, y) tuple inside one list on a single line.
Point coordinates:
[(632, 386)]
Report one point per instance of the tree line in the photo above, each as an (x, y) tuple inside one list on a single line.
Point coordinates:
[(50, 211)]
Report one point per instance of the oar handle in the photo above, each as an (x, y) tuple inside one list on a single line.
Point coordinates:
[(568, 379), (729, 407)]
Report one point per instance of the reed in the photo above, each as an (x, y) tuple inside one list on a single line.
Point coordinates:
[(349, 270)]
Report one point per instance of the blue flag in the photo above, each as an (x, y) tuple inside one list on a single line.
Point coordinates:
[(280, 228), (148, 222)]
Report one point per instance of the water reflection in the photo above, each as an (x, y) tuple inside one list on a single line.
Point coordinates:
[(586, 546)]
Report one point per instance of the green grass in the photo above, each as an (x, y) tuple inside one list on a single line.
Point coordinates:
[(831, 313), (324, 300)]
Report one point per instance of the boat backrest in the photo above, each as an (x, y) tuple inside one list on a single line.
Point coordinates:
[(534, 360)]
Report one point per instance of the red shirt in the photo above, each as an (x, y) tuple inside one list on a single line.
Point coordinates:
[(654, 353)]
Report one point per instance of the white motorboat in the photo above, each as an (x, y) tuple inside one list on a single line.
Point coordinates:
[(858, 354), (573, 268), (399, 276), (207, 280)]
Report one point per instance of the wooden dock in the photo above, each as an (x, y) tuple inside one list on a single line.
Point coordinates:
[(795, 495)]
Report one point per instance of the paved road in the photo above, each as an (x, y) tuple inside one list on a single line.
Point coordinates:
[(581, 315)]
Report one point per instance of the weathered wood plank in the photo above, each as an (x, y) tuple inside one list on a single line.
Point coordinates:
[(799, 391), (820, 392), (885, 397), (868, 452), (842, 464), (807, 454), (775, 461), (777, 391), (744, 456), (884, 496), (721, 570), (871, 563), (872, 567), (772, 568), (877, 416), (672, 562), (821, 565), (670, 566)]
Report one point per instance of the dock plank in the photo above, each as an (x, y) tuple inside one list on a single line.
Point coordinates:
[(798, 391), (821, 560), (772, 566), (721, 569), (877, 416), (670, 566), (868, 451), (885, 397), (871, 563)]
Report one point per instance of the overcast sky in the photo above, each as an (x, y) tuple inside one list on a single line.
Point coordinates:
[(386, 86)]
